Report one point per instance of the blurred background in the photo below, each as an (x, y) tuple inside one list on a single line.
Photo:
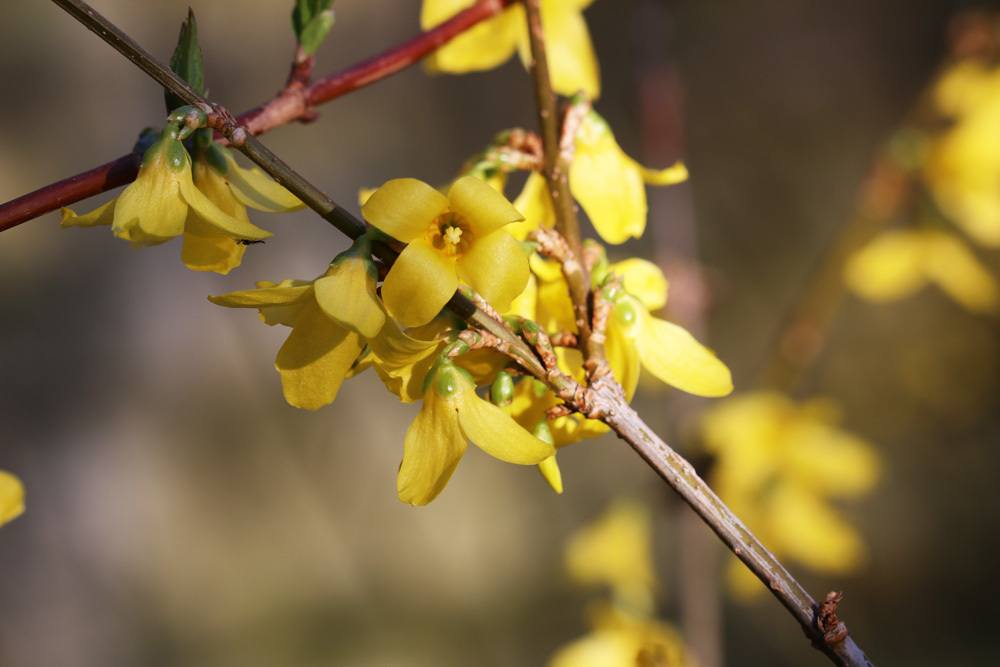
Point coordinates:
[(180, 513)]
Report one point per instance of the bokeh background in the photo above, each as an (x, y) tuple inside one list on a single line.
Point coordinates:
[(179, 513)]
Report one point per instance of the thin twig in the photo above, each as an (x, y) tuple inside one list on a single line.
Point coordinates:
[(556, 170), (282, 109)]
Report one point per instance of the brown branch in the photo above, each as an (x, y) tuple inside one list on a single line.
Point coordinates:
[(555, 170), (288, 106)]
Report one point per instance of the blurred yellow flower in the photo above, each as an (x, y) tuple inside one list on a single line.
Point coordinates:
[(460, 236), (206, 203), (963, 164), (11, 497), (570, 54), (898, 263), (451, 415), (616, 550), (778, 465), (330, 319)]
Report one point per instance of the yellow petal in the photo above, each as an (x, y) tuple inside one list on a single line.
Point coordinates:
[(484, 46), (674, 356), (404, 208), (347, 295), (253, 188), (535, 205), (572, 63), (496, 433), (496, 267), (890, 267), (607, 183), (672, 175), (205, 249), (11, 497), (419, 284), (549, 469), (957, 271), (315, 359), (623, 357), (402, 361), (524, 304), (278, 295), (432, 448), (151, 210), (212, 215), (102, 215), (555, 308), (485, 209), (643, 280)]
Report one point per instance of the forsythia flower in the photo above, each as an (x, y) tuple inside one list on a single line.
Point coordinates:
[(963, 165), (617, 550), (206, 203), (777, 464), (664, 349), (460, 236), (451, 415), (330, 317), (610, 186), (11, 497), (570, 54), (898, 263)]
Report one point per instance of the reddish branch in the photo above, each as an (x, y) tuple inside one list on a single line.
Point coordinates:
[(294, 103)]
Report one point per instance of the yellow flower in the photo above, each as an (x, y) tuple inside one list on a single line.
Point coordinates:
[(330, 318), (610, 185), (402, 359), (616, 550), (619, 640), (460, 236), (777, 466), (206, 203), (898, 263), (11, 497), (963, 165), (664, 349), (451, 415), (570, 54)]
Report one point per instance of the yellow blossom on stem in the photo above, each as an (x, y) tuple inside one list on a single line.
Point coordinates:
[(449, 238), (778, 465), (898, 263), (664, 349), (572, 63), (11, 497), (452, 414), (330, 319), (206, 203)]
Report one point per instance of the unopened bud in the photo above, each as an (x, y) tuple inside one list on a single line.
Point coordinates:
[(502, 389)]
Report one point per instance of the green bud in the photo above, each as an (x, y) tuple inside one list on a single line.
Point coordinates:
[(502, 389), (626, 312), (187, 62), (312, 21), (543, 432)]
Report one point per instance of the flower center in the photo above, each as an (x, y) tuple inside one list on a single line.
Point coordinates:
[(450, 234)]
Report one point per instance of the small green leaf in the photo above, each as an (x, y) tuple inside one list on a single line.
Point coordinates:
[(187, 61), (312, 20)]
